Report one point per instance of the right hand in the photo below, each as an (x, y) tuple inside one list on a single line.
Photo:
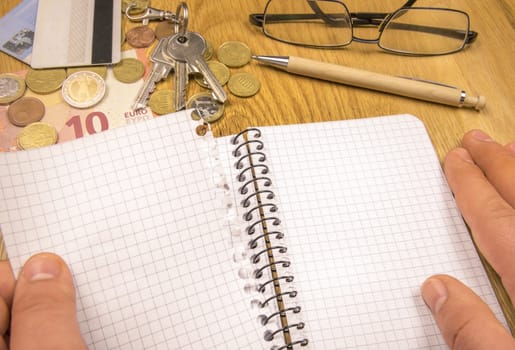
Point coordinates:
[(481, 175)]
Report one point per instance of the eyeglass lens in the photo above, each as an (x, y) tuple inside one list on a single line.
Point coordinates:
[(328, 23)]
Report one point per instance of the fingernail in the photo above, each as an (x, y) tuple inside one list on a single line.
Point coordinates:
[(434, 294), (481, 136), (463, 154), (42, 267)]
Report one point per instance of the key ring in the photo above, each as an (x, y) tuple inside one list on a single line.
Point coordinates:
[(151, 14), (181, 19)]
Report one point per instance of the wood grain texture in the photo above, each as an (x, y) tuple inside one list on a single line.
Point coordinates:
[(485, 68)]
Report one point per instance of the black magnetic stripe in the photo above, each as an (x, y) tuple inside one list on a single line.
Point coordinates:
[(102, 32)]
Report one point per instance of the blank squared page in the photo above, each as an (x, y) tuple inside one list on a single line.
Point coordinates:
[(368, 216), (132, 211)]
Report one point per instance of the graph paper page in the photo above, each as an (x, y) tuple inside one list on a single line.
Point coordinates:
[(133, 213), (368, 217)]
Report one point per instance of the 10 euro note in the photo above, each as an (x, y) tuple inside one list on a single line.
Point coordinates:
[(71, 123)]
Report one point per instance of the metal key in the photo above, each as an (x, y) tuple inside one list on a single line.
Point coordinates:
[(188, 47), (161, 67)]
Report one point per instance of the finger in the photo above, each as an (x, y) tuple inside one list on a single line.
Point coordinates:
[(44, 311), (496, 161), (464, 320), (490, 218), (6, 281), (6, 293)]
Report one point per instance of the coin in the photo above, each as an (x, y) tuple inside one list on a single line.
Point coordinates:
[(129, 70), (243, 84), (220, 71), (12, 87), (37, 135), (100, 70), (26, 110), (45, 81), (208, 52), (164, 28), (83, 89), (141, 36), (161, 102), (138, 6), (233, 54), (206, 107)]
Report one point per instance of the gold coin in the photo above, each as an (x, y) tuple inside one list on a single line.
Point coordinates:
[(220, 71), (208, 52), (234, 54), (161, 102), (206, 107), (37, 135), (25, 111), (138, 6), (45, 81), (129, 70), (12, 87), (243, 84), (83, 89), (100, 70)]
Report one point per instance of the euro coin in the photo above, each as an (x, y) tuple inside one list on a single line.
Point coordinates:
[(12, 87), (233, 54), (128, 70), (161, 102), (205, 107), (83, 89), (139, 37), (37, 135), (208, 52), (220, 71), (45, 81), (25, 111), (100, 70), (243, 84)]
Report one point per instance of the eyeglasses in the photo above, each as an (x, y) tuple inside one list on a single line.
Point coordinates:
[(421, 31)]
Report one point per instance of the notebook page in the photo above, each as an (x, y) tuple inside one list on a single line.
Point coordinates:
[(133, 213), (368, 217)]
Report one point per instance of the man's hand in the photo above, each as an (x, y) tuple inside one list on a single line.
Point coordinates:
[(43, 313), (481, 175)]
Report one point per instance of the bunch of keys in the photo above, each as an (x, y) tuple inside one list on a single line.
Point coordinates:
[(181, 52)]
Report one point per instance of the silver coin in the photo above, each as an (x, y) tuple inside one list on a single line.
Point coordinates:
[(83, 89)]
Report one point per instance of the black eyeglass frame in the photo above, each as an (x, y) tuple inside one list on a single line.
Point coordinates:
[(364, 19)]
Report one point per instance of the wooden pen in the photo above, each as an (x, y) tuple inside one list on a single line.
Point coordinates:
[(409, 87)]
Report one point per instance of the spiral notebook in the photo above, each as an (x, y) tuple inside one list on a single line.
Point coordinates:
[(311, 236)]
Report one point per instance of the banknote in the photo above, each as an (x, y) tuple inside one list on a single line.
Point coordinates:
[(71, 123)]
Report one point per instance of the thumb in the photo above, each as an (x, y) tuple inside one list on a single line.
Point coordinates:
[(464, 319), (44, 311)]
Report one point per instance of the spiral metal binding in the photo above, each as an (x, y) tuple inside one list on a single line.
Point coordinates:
[(289, 346), (291, 294), (234, 140), (241, 176), (255, 191), (237, 152), (239, 164), (254, 243), (246, 202), (259, 272)]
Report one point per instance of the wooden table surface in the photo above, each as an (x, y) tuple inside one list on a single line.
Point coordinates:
[(485, 68)]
